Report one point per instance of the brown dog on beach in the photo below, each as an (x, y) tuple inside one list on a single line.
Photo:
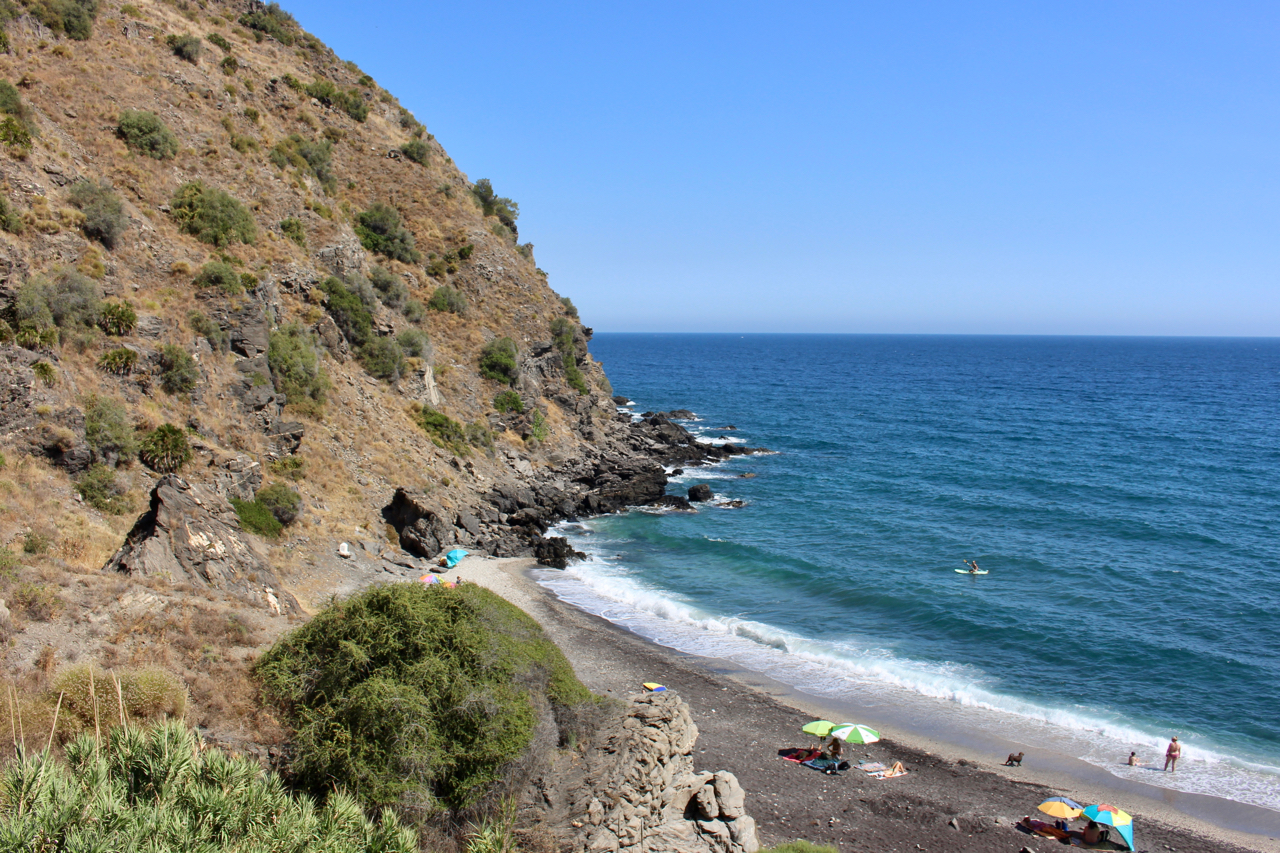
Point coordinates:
[(1013, 759)]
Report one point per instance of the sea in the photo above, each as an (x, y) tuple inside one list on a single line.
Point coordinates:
[(1122, 493)]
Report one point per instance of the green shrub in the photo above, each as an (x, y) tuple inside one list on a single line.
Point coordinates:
[(800, 846), (6, 332), (348, 311), (444, 431), (310, 158), (117, 318), (295, 369), (446, 298), (257, 518), (569, 308), (34, 543), (290, 467), (391, 289), (220, 42), (562, 332), (220, 275), (380, 230), (104, 216), (509, 401), (351, 102), (413, 311), (293, 83), (179, 373), (37, 601), (212, 216), (283, 502), (272, 21), (383, 358), (68, 300), (478, 434), (465, 252), (498, 361), (73, 17), (414, 342), (146, 133), (107, 429), (100, 490), (9, 219), (165, 449), (120, 361), (186, 47), (210, 331), (539, 429), (409, 693), (416, 150), (292, 228), (45, 372), (506, 210), (161, 789)]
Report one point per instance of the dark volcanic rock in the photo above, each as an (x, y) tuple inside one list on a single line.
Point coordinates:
[(425, 529), (620, 400), (700, 492), (556, 552), (191, 533), (674, 502)]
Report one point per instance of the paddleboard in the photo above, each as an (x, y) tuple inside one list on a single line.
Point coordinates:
[(967, 572)]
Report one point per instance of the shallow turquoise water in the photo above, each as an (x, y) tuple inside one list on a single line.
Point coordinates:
[(1123, 493)]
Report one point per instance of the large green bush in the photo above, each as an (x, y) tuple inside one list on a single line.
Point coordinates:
[(383, 358), (117, 318), (506, 210), (416, 150), (562, 332), (99, 489), (179, 373), (498, 361), (351, 102), (295, 369), (406, 693), (508, 401), (212, 216), (272, 21), (221, 275), (257, 518), (414, 342), (380, 230), (391, 289), (284, 502), (445, 432), (186, 47), (348, 310), (160, 790), (10, 220), (17, 129), (309, 157), (67, 300), (146, 133), (104, 216), (107, 429), (73, 17), (446, 298)]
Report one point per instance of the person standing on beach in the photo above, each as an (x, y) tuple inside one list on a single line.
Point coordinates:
[(1172, 754), (834, 749)]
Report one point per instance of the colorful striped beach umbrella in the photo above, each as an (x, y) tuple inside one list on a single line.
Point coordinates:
[(853, 733), (1121, 820), (1061, 807)]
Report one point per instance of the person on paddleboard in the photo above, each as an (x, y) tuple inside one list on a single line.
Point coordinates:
[(973, 566)]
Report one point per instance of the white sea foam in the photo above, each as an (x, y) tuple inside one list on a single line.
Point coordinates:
[(718, 439), (954, 695)]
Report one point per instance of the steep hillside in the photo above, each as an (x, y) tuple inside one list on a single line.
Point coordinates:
[(251, 311)]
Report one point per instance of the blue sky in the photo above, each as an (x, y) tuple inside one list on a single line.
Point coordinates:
[(980, 167)]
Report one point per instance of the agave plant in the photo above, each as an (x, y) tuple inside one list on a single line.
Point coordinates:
[(165, 449)]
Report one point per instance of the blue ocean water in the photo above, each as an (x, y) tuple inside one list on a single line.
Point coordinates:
[(1123, 493)]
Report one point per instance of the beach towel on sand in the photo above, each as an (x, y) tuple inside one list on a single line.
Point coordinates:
[(871, 766), (896, 770), (799, 754), (826, 765)]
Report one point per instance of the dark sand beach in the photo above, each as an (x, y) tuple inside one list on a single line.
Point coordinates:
[(743, 720)]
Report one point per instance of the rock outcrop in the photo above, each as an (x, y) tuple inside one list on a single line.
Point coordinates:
[(636, 790), (191, 534)]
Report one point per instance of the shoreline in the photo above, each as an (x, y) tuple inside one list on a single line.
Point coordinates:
[(730, 702)]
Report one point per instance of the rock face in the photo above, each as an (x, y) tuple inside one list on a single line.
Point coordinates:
[(636, 790), (700, 492), (191, 534)]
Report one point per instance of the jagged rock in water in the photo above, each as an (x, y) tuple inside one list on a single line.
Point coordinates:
[(638, 790), (700, 492), (191, 534), (556, 552)]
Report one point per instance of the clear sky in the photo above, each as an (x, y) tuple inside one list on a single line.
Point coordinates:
[(1063, 167)]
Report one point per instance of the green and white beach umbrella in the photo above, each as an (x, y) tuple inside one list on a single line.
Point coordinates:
[(853, 733)]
